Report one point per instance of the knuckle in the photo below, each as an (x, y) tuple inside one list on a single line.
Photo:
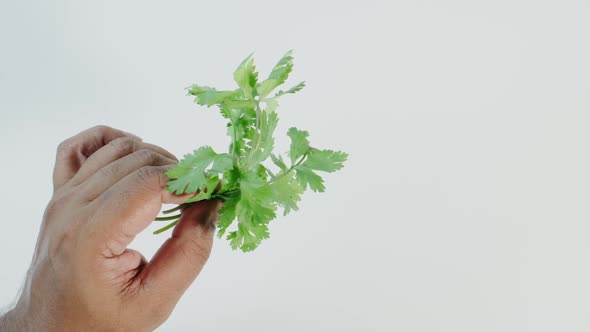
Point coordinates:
[(152, 176), (122, 144), (148, 156), (64, 146), (101, 128), (110, 170), (147, 173), (104, 172)]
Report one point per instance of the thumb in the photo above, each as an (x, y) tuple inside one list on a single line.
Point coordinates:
[(182, 257)]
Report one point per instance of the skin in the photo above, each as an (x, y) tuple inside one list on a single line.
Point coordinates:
[(108, 187)]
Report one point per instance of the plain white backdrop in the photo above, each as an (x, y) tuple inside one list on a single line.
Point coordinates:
[(465, 203)]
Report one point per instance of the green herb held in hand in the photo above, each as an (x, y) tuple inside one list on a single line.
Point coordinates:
[(251, 191)]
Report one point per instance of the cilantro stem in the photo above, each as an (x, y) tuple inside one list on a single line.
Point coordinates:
[(282, 174), (165, 228), (168, 218), (256, 140), (226, 195), (173, 209), (234, 144)]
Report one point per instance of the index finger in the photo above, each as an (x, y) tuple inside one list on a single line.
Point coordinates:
[(74, 151)]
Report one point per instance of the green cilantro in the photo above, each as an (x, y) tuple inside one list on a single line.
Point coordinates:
[(251, 191)]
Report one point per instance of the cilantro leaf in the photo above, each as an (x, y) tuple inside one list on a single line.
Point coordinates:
[(227, 214), (210, 185), (246, 76), (318, 160), (299, 143), (207, 96), (278, 160), (271, 104), (307, 177), (239, 104), (254, 211), (325, 160), (265, 143), (189, 175), (287, 192), (278, 76), (241, 130), (293, 89)]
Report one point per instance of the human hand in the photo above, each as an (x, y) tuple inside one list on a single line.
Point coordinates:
[(108, 187)]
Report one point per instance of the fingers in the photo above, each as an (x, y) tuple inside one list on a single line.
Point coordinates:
[(73, 152), (117, 170), (113, 151), (128, 207), (182, 257)]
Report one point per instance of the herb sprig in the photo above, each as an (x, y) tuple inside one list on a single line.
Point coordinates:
[(252, 192)]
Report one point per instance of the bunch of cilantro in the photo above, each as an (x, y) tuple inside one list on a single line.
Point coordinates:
[(252, 192)]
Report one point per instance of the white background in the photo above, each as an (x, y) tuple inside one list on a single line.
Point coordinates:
[(465, 203)]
